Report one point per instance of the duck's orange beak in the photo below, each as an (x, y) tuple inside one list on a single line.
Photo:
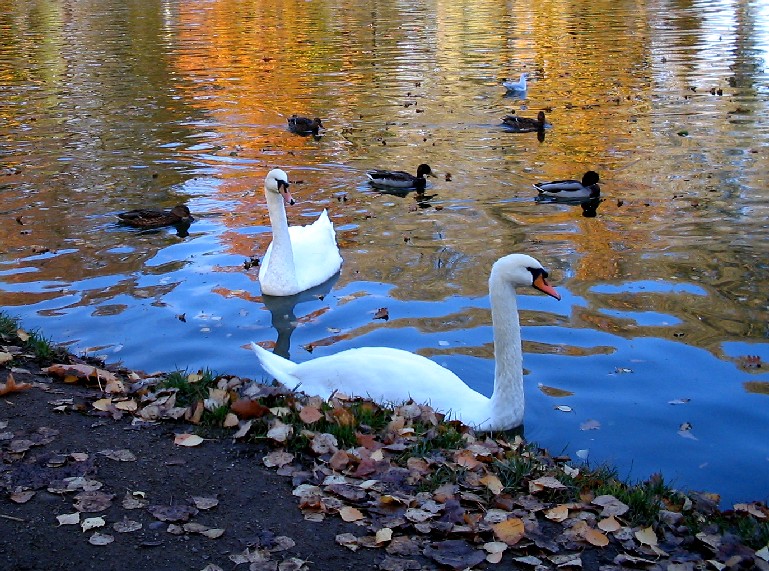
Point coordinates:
[(541, 284)]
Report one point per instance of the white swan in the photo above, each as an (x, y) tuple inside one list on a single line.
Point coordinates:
[(392, 376), (299, 257)]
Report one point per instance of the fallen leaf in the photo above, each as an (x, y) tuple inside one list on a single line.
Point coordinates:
[(101, 539), (279, 432), (278, 458), (545, 482), (172, 513), (646, 536), (127, 405), (203, 503), (609, 524), (310, 414), (213, 533), (595, 537), (558, 513), (455, 553), (186, 439), (126, 526), (495, 550), (247, 408), (68, 519), (93, 501), (5, 357), (92, 522), (21, 496), (383, 535), (611, 505), (509, 531), (348, 540), (11, 386), (493, 483), (554, 392), (349, 513), (122, 455)]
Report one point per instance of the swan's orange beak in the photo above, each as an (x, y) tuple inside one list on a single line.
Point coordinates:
[(541, 284)]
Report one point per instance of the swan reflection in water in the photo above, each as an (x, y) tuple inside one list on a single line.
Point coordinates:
[(282, 309)]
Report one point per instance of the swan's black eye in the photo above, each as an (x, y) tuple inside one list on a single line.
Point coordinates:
[(537, 272)]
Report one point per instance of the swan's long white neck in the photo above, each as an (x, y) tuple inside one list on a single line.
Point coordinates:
[(281, 263), (507, 399)]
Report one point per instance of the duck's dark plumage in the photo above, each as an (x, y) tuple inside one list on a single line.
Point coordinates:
[(304, 125), (400, 179), (525, 124), (148, 218)]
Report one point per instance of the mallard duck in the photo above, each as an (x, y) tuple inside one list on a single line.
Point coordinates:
[(393, 376), (519, 85), (571, 189), (400, 179), (525, 124), (304, 125), (147, 218), (299, 257)]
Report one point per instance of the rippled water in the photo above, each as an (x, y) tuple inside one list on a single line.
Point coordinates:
[(109, 106)]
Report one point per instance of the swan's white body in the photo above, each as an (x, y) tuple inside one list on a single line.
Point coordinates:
[(299, 257), (393, 376), (519, 85)]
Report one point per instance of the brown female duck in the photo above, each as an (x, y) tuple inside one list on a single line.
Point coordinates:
[(147, 218), (525, 124)]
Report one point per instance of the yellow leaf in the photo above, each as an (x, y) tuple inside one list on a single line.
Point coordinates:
[(23, 335), (186, 439), (349, 513), (492, 483), (646, 536), (610, 524), (595, 537), (510, 531), (558, 513), (103, 404), (126, 405)]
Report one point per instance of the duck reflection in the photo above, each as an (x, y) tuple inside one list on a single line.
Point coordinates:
[(283, 311), (589, 206)]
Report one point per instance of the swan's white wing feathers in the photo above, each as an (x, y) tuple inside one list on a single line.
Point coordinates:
[(383, 374), (316, 255)]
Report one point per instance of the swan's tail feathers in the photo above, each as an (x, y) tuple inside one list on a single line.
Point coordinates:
[(280, 368)]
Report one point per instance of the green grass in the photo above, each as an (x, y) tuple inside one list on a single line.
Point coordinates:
[(189, 392), (41, 347)]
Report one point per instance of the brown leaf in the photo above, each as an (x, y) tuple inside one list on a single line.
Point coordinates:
[(342, 416), (646, 536), (11, 386), (610, 505), (595, 537), (310, 414), (349, 513), (558, 513), (610, 524), (172, 513), (247, 408), (510, 531)]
